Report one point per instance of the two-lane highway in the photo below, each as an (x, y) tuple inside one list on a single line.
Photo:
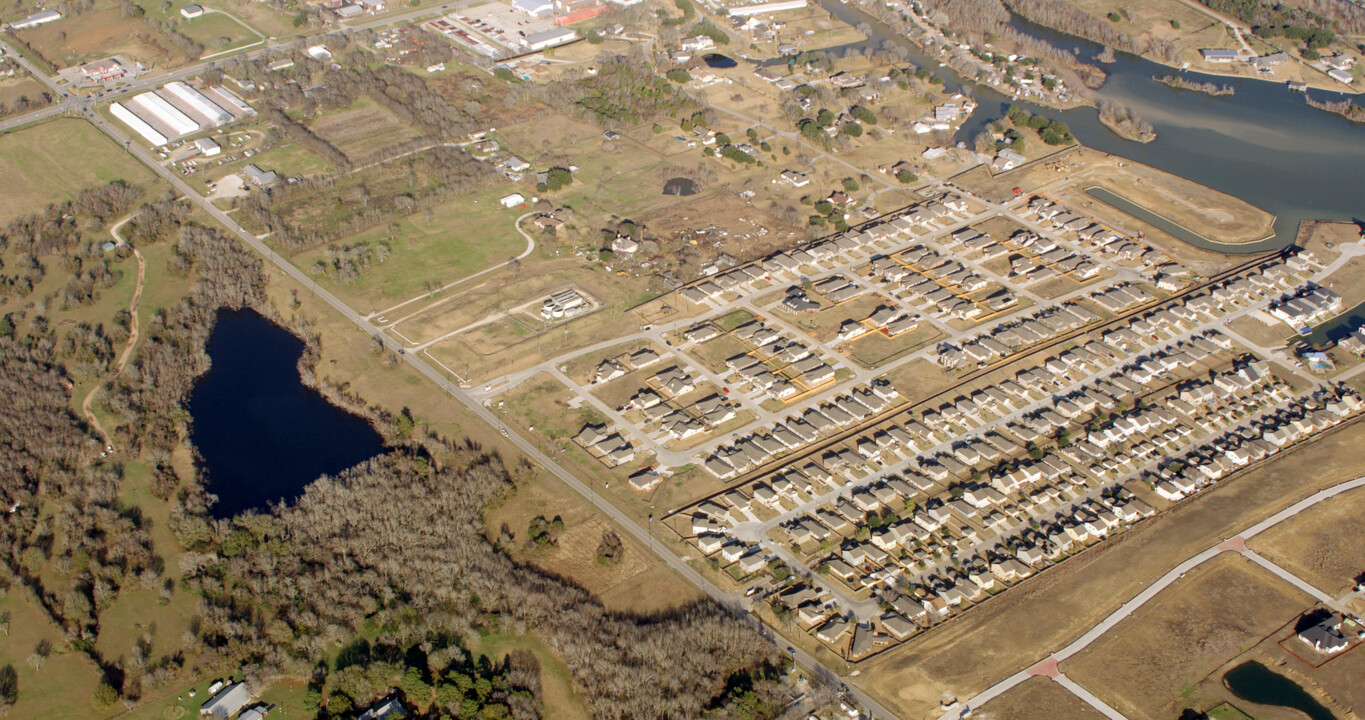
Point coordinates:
[(731, 601)]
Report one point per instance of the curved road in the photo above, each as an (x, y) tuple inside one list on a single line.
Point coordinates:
[(133, 334), (1048, 666)]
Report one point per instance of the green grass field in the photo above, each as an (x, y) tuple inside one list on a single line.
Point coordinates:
[(54, 161), (464, 236), (62, 686), (211, 29), (287, 160)]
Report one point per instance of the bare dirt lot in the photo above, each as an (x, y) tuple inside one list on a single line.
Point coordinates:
[(1023, 625), (1038, 699), (1324, 545), (1143, 666)]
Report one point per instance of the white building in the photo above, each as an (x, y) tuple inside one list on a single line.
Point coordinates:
[(164, 112), (196, 101), (35, 20), (512, 200), (207, 147), (137, 124), (770, 7), (192, 11)]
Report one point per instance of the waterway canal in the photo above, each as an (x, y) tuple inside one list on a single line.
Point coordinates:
[(1262, 144)]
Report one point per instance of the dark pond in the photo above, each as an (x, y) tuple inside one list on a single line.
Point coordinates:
[(716, 60), (1256, 683), (1263, 144), (680, 186), (263, 435)]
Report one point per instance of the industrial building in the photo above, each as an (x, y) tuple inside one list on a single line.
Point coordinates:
[(163, 112), (178, 109), (549, 38), (213, 116), (148, 133)]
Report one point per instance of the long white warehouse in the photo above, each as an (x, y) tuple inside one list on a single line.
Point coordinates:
[(770, 7), (225, 98), (165, 112), (136, 123), (197, 102)]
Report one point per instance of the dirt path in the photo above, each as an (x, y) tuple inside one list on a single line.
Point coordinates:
[(133, 334)]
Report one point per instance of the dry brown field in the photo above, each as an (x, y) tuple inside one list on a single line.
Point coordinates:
[(1145, 664), (99, 33), (1324, 545), (1038, 698), (1025, 624)]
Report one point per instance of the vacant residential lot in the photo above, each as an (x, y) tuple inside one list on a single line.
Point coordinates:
[(1171, 643), (1038, 698), (1020, 627), (54, 161), (1324, 545)]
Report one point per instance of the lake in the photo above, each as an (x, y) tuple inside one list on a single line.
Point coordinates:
[(1262, 144), (261, 433), (1254, 682)]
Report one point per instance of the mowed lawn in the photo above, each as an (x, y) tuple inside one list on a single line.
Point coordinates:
[(54, 161), (463, 237)]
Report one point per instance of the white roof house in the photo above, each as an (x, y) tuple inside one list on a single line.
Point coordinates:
[(512, 200), (227, 702)]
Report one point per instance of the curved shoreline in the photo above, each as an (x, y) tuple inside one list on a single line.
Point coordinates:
[(1199, 240)]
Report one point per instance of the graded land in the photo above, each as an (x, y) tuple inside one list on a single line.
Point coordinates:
[(1187, 631), (988, 643), (1038, 698)]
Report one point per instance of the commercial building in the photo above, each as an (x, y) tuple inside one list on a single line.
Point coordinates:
[(549, 38), (158, 109), (207, 147), (137, 124), (103, 70), (535, 8), (35, 20), (213, 116)]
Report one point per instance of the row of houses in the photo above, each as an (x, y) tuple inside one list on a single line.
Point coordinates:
[(605, 445), (954, 462), (1307, 305)]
